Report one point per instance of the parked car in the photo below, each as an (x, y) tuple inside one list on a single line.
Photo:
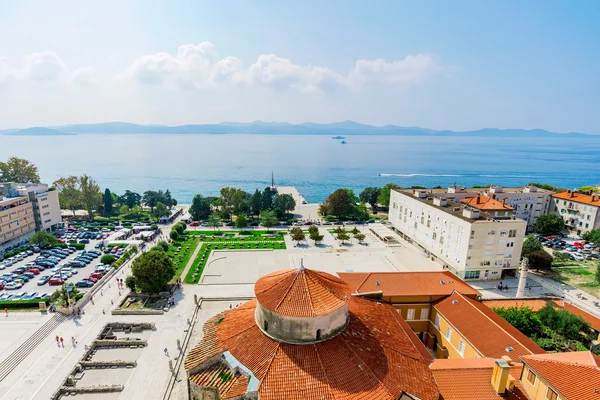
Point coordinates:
[(23, 277), (18, 296), (43, 280), (91, 279), (55, 280), (2, 284), (578, 257), (6, 296), (29, 296), (84, 284), (195, 223)]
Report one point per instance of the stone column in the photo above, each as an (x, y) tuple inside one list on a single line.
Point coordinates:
[(523, 277)]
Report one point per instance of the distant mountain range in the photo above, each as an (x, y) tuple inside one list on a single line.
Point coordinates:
[(346, 128)]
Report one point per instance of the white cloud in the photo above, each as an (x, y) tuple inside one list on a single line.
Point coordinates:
[(198, 66), (45, 66)]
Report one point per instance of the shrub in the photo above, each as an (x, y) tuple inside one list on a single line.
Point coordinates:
[(312, 229), (130, 283), (21, 303), (108, 259), (174, 235), (179, 228), (152, 271), (154, 227)]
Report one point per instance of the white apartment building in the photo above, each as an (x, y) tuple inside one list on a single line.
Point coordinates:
[(579, 211), (475, 238), (528, 202), (46, 207)]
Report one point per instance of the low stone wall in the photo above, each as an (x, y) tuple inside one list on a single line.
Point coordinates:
[(63, 391), (119, 343), (107, 364)]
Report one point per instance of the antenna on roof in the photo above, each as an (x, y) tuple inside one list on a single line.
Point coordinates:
[(377, 283), (302, 264)]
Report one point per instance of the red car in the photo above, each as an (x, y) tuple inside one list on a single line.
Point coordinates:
[(195, 223), (34, 270), (91, 279), (96, 275), (55, 281), (579, 245), (1, 285)]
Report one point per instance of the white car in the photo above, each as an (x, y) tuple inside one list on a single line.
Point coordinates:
[(70, 270), (578, 256), (18, 296), (29, 296), (66, 272), (13, 286), (6, 296), (2, 265)]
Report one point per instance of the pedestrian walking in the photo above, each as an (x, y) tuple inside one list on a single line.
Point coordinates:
[(57, 341), (166, 352), (62, 342), (6, 311), (73, 341), (86, 347)]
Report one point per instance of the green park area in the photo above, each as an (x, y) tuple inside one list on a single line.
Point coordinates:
[(230, 241), (180, 251), (582, 275)]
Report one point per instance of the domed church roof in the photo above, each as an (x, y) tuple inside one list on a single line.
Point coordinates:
[(301, 292)]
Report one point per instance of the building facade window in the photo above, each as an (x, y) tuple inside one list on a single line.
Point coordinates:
[(531, 377), (424, 314), (551, 394), (512, 233), (461, 348), (436, 323), (410, 314), (472, 274), (448, 333)]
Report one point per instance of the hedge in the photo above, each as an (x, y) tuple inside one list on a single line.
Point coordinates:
[(13, 253), (124, 257), (21, 303), (76, 246), (121, 245)]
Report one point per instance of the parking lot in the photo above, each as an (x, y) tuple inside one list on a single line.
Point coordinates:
[(32, 285)]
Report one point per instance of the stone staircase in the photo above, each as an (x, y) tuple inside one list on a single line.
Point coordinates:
[(25, 349)]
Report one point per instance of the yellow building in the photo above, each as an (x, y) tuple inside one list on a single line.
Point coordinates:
[(17, 221)]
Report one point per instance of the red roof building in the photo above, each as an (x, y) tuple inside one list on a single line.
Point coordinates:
[(365, 351)]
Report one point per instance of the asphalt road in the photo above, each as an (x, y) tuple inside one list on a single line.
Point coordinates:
[(32, 285)]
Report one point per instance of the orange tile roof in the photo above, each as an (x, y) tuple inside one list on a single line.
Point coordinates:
[(470, 379), (427, 283), (575, 375), (489, 333), (219, 376), (301, 292), (578, 198), (376, 357), (486, 203), (537, 304)]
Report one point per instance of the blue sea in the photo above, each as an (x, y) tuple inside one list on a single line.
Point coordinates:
[(316, 165)]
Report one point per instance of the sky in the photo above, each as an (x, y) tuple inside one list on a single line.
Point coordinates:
[(459, 65)]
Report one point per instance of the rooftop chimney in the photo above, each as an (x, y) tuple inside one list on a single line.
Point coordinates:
[(500, 375), (504, 201), (477, 199), (494, 196)]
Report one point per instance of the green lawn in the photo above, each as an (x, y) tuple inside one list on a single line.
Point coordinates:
[(195, 273), (215, 236), (577, 274), (182, 257)]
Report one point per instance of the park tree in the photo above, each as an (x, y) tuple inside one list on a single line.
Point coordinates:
[(91, 198), (314, 235), (284, 202), (569, 325), (174, 235), (540, 260), (214, 220), (18, 170), (131, 199), (297, 234), (67, 293), (313, 228), (136, 211), (108, 202), (152, 271), (43, 239), (231, 199), (160, 210), (130, 283), (530, 245), (268, 218), (153, 227), (162, 246), (241, 221), (360, 237), (200, 208), (592, 236), (179, 227), (384, 195), (522, 318), (107, 259), (339, 203), (549, 224), (343, 236), (267, 199), (370, 195), (150, 199), (256, 202), (69, 195), (124, 209)]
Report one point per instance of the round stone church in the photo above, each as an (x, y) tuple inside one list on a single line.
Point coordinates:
[(306, 337)]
